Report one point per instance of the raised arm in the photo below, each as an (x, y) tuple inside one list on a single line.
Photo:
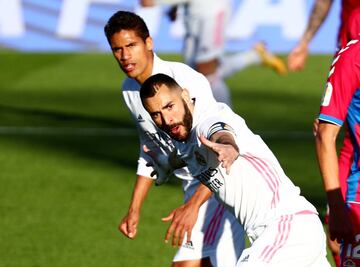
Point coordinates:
[(224, 145), (297, 57)]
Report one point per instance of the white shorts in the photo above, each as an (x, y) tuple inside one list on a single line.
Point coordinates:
[(294, 240), (216, 234), (205, 34)]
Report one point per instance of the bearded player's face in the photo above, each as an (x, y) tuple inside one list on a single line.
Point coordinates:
[(170, 113)]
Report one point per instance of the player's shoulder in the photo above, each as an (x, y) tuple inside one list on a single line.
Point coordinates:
[(346, 59), (130, 85), (177, 67), (217, 113), (351, 51)]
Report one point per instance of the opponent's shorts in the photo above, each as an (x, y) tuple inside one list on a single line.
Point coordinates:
[(205, 34), (295, 240), (217, 234), (350, 253)]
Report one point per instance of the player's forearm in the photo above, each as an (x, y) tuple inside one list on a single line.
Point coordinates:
[(318, 14), (140, 192), (201, 195)]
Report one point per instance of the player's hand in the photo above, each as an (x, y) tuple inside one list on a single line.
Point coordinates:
[(147, 3), (227, 154), (128, 225), (163, 165), (182, 220), (340, 226), (297, 57)]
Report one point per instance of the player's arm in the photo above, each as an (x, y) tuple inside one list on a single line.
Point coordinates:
[(184, 218), (298, 56), (224, 145), (327, 154), (129, 223), (325, 140)]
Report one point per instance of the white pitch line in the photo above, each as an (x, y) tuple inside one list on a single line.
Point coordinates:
[(30, 130)]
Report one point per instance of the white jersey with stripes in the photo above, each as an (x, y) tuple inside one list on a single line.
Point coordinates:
[(151, 136), (257, 190)]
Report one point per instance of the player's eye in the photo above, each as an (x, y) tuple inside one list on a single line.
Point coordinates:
[(154, 115)]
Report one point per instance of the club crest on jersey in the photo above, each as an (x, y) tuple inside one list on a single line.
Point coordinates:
[(200, 158), (327, 95)]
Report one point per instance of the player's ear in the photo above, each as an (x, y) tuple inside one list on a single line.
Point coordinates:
[(149, 43)]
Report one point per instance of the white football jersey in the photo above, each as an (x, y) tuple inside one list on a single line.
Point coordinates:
[(155, 139), (257, 190)]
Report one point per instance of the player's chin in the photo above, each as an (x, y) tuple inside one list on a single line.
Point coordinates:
[(179, 137)]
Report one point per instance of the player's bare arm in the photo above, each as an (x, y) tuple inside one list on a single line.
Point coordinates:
[(184, 218), (298, 56), (339, 222), (317, 17), (224, 145), (128, 225)]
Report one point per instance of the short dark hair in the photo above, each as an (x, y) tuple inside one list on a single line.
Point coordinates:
[(125, 20), (150, 86)]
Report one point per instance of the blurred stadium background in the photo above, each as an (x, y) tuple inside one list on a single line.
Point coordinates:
[(68, 147)]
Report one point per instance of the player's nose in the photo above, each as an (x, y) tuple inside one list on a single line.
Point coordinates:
[(167, 120), (125, 55)]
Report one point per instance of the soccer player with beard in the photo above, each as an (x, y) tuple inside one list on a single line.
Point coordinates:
[(237, 166), (210, 230)]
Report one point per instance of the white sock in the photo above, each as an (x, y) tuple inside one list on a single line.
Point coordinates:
[(232, 63), (219, 88)]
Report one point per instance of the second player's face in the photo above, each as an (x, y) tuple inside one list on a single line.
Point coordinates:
[(135, 57), (170, 113)]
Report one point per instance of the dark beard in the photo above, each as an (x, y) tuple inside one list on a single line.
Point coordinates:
[(186, 122)]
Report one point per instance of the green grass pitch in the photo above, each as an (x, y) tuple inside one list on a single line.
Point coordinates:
[(68, 156)]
